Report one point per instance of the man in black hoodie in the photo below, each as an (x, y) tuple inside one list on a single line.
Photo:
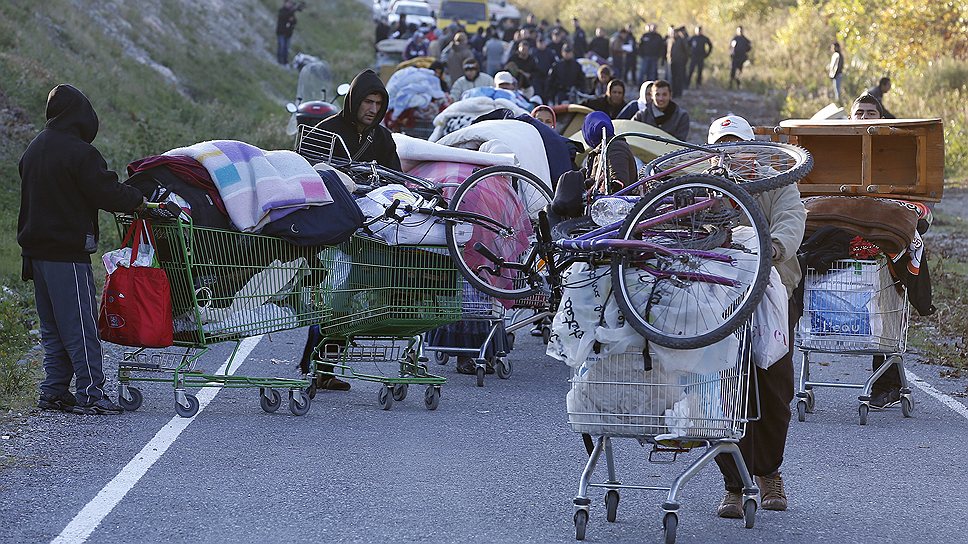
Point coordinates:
[(358, 124), (65, 180)]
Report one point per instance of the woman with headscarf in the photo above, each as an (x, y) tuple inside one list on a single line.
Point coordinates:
[(635, 106), (618, 167)]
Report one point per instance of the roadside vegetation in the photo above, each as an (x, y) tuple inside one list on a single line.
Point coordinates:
[(161, 75)]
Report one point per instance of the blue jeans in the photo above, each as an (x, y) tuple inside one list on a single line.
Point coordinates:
[(649, 68), (836, 82), (282, 50)]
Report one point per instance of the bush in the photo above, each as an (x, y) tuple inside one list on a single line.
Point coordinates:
[(18, 376)]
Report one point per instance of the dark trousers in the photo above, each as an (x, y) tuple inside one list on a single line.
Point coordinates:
[(765, 439), (891, 379), (282, 49), (737, 66), (650, 68), (679, 81), (695, 67), (64, 294)]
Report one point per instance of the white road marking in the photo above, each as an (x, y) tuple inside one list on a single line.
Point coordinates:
[(948, 401), (94, 512)]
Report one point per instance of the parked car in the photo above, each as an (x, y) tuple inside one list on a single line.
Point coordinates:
[(417, 12)]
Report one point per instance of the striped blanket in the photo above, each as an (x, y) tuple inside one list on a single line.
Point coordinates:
[(258, 186)]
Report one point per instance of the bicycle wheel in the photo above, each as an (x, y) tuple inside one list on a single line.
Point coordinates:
[(679, 296), (757, 166), (492, 230)]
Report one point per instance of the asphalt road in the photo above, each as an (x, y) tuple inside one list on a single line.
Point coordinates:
[(497, 464)]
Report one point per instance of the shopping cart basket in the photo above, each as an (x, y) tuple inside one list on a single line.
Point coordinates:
[(225, 286), (856, 309), (382, 298), (627, 395)]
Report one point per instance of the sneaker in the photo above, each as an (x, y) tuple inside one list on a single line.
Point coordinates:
[(885, 399), (732, 506), (465, 365), (537, 331), (332, 383), (102, 407), (772, 495), (65, 402)]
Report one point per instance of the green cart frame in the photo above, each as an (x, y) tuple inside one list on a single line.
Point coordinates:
[(382, 298), (225, 286)]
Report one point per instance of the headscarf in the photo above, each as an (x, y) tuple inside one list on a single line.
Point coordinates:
[(542, 107), (644, 92), (592, 127)]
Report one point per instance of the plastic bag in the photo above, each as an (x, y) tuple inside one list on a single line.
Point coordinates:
[(770, 328), (122, 257), (415, 228)]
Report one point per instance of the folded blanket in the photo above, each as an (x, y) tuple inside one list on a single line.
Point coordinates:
[(523, 138), (890, 224), (413, 151), (258, 186), (463, 112), (412, 88)]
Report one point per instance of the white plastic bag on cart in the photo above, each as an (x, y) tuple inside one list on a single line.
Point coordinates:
[(122, 257), (415, 228), (586, 292), (770, 327)]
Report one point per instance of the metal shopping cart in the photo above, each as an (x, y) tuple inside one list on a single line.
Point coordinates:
[(856, 309), (627, 395), (382, 298), (225, 286)]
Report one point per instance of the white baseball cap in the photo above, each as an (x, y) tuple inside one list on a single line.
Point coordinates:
[(503, 77), (732, 125)]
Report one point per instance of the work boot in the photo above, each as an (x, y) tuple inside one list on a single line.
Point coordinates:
[(771, 492), (732, 506)]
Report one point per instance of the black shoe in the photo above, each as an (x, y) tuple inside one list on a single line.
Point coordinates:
[(465, 365), (885, 399), (102, 407), (332, 383), (65, 402)]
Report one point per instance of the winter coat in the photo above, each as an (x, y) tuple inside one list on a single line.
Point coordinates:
[(374, 143), (65, 181), (673, 120)]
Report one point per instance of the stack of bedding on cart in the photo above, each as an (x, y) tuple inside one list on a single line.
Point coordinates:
[(615, 388), (861, 254)]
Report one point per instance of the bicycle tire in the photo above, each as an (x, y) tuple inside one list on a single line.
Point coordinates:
[(777, 164), (519, 244), (727, 307)]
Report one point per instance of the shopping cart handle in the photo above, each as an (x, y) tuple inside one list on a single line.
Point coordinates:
[(167, 205)]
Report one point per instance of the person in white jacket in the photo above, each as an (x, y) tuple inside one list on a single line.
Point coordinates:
[(765, 440), (472, 79)]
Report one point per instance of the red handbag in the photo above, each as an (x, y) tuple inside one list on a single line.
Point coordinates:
[(136, 303)]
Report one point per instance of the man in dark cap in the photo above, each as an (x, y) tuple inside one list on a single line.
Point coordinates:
[(64, 182)]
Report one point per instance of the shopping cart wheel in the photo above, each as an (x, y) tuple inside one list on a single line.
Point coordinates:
[(432, 397), (749, 512), (907, 406), (611, 505), (385, 397), (441, 357), (545, 334), (299, 402), (186, 411), (400, 391), (509, 340), (581, 523), (480, 376), (504, 368), (669, 525), (811, 401), (862, 411), (269, 399), (134, 402), (801, 410)]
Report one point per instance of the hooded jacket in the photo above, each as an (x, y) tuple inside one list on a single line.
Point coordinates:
[(374, 143), (64, 181)]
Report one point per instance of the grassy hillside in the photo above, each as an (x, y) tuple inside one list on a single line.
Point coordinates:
[(161, 74)]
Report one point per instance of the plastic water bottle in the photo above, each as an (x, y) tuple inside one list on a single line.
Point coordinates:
[(608, 210)]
